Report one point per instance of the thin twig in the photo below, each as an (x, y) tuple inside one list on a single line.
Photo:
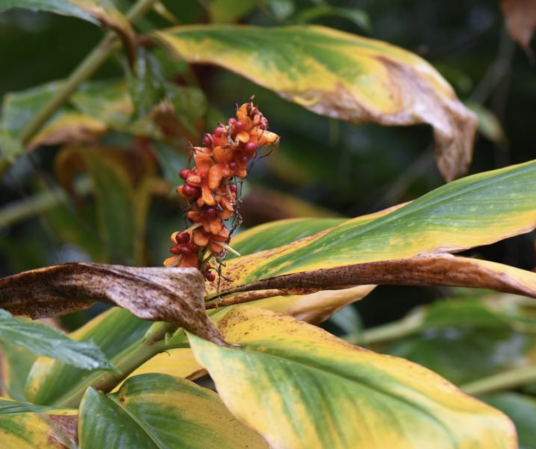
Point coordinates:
[(84, 71), (503, 381)]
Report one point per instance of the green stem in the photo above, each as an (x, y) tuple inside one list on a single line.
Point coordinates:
[(84, 71), (502, 381), (390, 331)]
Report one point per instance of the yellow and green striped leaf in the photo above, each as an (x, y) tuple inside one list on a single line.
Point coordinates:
[(159, 411), (301, 387), (477, 210), (27, 426), (339, 75), (119, 335)]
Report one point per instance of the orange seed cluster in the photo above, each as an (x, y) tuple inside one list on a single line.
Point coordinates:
[(211, 190)]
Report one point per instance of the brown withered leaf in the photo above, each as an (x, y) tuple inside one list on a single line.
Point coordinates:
[(520, 16), (157, 294), (422, 270)]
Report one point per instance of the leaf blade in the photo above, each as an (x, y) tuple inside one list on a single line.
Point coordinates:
[(296, 397), (49, 342), (339, 75), (160, 411)]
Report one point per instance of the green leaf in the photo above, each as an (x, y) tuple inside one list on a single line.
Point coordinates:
[(108, 100), (50, 342), (10, 147), (160, 411), (339, 75), (117, 333), (146, 83), (299, 387), (278, 233), (522, 410), (19, 108), (16, 364)]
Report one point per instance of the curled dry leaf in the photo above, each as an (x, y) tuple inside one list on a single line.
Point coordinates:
[(520, 16), (425, 269), (340, 75), (160, 294)]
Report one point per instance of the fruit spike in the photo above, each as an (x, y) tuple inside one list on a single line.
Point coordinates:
[(211, 191)]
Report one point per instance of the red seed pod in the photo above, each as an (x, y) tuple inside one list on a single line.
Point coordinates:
[(232, 165), (231, 122), (210, 276), (218, 131), (190, 191), (175, 250), (207, 140), (250, 147), (211, 212), (184, 173), (182, 237), (238, 126), (185, 249), (233, 188), (244, 159)]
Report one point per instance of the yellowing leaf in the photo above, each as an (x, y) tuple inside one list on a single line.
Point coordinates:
[(339, 75), (26, 426), (159, 411), (179, 362), (71, 128), (477, 210), (301, 387)]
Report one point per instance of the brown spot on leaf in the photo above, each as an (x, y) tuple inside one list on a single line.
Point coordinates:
[(66, 428)]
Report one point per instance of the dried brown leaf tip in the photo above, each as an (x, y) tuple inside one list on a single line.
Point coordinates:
[(211, 188)]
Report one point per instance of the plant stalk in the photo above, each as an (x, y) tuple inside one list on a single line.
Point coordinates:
[(84, 71), (387, 332), (502, 381)]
